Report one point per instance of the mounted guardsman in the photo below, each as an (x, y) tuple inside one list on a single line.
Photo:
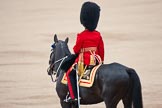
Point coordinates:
[(89, 46), (112, 83)]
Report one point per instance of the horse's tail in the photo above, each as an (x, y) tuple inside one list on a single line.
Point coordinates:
[(136, 89)]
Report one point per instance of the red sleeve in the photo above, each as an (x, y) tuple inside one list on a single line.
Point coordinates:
[(101, 49), (78, 44)]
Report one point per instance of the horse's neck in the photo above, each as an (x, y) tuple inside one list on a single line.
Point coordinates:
[(60, 75)]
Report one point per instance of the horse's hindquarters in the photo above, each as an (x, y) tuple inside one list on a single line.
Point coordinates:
[(113, 82)]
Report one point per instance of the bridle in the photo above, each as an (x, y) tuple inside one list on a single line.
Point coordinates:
[(56, 72), (50, 68)]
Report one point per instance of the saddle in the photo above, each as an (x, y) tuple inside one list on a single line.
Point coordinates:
[(87, 79)]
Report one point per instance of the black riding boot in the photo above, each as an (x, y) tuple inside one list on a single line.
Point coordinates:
[(74, 82), (72, 77)]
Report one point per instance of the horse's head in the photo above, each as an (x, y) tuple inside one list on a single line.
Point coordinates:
[(58, 53)]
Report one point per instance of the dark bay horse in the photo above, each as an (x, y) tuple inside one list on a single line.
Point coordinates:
[(113, 82)]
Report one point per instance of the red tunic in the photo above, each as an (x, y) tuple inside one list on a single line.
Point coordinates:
[(89, 39)]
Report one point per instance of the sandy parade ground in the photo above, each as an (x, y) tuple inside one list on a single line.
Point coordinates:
[(131, 30)]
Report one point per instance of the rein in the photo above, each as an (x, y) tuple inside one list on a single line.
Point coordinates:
[(55, 73), (62, 59)]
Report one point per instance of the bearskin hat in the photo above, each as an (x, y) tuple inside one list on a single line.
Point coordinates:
[(89, 15)]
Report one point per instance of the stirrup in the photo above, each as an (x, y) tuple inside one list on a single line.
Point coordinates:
[(69, 99)]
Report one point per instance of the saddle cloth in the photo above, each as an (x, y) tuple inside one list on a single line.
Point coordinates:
[(87, 79)]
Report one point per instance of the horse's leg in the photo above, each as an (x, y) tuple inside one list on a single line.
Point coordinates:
[(68, 105), (113, 92), (111, 103), (111, 98), (65, 104), (75, 105), (127, 100)]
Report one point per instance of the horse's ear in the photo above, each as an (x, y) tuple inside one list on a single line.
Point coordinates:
[(66, 40), (55, 38)]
